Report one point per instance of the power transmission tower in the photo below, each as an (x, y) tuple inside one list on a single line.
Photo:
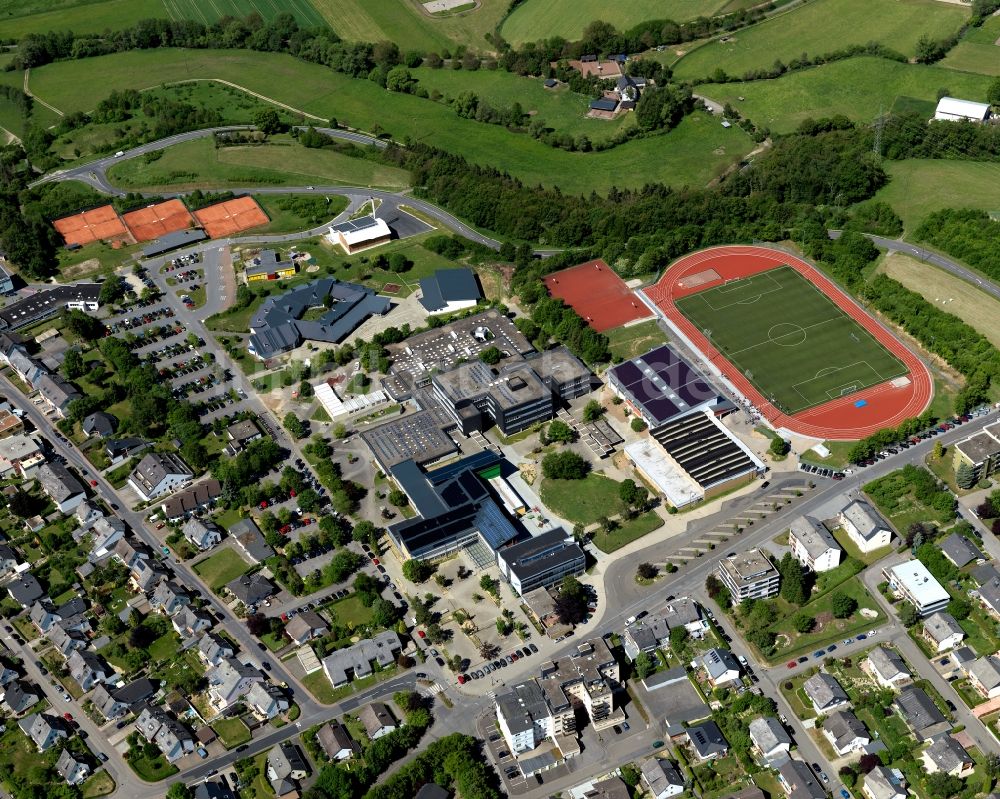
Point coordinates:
[(877, 142)]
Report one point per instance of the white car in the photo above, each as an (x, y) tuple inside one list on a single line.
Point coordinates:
[(872, 633)]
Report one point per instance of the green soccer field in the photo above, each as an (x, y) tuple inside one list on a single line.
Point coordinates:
[(789, 339)]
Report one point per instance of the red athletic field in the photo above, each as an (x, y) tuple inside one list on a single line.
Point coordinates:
[(887, 404), (157, 220), (595, 292), (97, 224), (231, 216)]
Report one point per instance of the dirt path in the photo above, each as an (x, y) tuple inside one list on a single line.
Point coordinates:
[(39, 100), (252, 93)]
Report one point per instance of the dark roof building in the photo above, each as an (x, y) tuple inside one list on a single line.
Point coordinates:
[(278, 326), (251, 540), (251, 589), (920, 713), (707, 740), (49, 302), (100, 423), (199, 496), (449, 290), (541, 561), (173, 241)]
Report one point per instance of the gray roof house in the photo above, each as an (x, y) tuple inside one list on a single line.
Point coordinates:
[(17, 697), (99, 424), (285, 767), (107, 532), (159, 473), (66, 638), (942, 631), (88, 669), (881, 783), (61, 487), (721, 666), (770, 739), (661, 778), (251, 589), (251, 540), (24, 589), (213, 649), (824, 692), (449, 290), (984, 674), (989, 596), (171, 737), (799, 781), (845, 732), (266, 701), (117, 702), (353, 662), (43, 615), (43, 729), (888, 668), (169, 598), (707, 740), (377, 719), (57, 393), (72, 770), (959, 550), (230, 680), (8, 560), (336, 741), (920, 713), (947, 755), (202, 534), (190, 621), (305, 626)]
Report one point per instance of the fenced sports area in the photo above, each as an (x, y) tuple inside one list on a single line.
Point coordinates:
[(595, 291), (783, 337), (789, 339), (231, 216)]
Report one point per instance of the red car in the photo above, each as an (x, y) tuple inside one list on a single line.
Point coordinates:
[(461, 680), (421, 634), (68, 716), (291, 492), (375, 561), (93, 482), (159, 526), (791, 664), (263, 505)]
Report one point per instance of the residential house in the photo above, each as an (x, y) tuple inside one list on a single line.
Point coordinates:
[(8, 561), (210, 789), (190, 621), (888, 668), (865, 527), (661, 778), (984, 674), (43, 615), (652, 632), (88, 669), (169, 598), (57, 394), (119, 450), (266, 701), (920, 713), (989, 597), (845, 732), (20, 456), (65, 491), (72, 769), (118, 702), (959, 549), (107, 532), (770, 739), (825, 693), (172, 738), (336, 741), (305, 626), (86, 514), (213, 649), (799, 781), (239, 434), (707, 741), (44, 730), (286, 767), (198, 497), (609, 788), (67, 638), (377, 720), (11, 424), (99, 424), (721, 667), (251, 589), (812, 545), (942, 632), (7, 674), (202, 534), (159, 473), (18, 697), (355, 661), (250, 539), (230, 680), (881, 783), (24, 589), (948, 756)]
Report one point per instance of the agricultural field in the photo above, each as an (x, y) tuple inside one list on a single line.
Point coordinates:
[(694, 153), (859, 88), (210, 12), (560, 108), (406, 23), (780, 343), (822, 26), (20, 17), (918, 187), (978, 51), (543, 19), (947, 292), (199, 164)]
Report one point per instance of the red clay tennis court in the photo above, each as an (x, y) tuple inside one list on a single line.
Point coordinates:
[(844, 419), (97, 224), (231, 216), (595, 292), (158, 220)]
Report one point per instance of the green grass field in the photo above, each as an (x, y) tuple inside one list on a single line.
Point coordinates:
[(978, 51), (822, 26), (796, 346), (198, 164), (859, 88), (407, 24), (628, 342), (918, 187), (222, 567), (20, 17), (210, 12), (542, 19), (559, 108), (694, 153)]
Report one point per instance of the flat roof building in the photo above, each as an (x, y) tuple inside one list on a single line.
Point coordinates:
[(416, 436), (981, 451), (916, 585), (541, 561), (48, 302), (174, 241), (359, 234), (749, 575)]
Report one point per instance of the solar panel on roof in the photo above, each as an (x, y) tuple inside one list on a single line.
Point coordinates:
[(661, 409), (695, 392), (628, 373)]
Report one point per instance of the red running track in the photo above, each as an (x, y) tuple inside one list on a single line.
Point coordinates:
[(837, 420)]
